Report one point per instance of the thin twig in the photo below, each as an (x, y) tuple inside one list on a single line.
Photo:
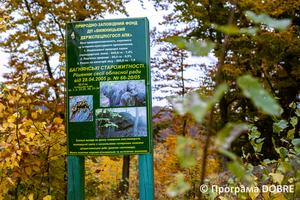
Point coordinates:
[(209, 131)]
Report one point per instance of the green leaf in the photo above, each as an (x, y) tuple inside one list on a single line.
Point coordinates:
[(236, 169), (283, 140), (283, 152), (267, 161), (297, 112), (230, 181), (2, 86), (257, 147), (185, 150), (290, 134), (265, 177), (243, 151), (258, 141), (293, 105), (280, 24), (284, 166), (279, 126), (233, 30), (24, 112), (294, 121), (200, 48), (227, 153), (229, 133), (274, 118), (250, 167), (296, 143), (180, 187), (260, 97), (196, 103)]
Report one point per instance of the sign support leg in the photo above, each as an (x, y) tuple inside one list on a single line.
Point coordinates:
[(76, 180), (146, 181)]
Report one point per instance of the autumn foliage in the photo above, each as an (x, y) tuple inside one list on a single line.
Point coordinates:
[(32, 147)]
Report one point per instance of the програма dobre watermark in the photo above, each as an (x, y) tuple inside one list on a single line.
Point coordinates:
[(234, 190)]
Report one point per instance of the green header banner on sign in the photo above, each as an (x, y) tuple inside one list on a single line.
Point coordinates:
[(108, 87)]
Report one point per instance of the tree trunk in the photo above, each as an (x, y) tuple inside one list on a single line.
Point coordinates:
[(224, 120), (124, 185), (136, 122)]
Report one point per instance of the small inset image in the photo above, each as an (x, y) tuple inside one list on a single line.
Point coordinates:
[(122, 93), (121, 122), (81, 108)]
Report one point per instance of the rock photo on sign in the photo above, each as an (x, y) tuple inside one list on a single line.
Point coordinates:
[(121, 122), (122, 93)]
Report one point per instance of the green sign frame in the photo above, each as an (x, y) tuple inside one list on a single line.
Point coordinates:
[(108, 87)]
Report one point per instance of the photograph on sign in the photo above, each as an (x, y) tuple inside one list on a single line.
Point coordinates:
[(81, 108), (122, 93), (108, 87), (121, 122)]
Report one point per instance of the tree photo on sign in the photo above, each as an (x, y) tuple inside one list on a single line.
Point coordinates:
[(121, 122)]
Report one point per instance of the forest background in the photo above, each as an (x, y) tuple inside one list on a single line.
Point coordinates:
[(32, 145)]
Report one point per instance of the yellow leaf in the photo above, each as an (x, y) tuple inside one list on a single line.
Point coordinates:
[(39, 111), (14, 164), (24, 75), (19, 152), (279, 196), (29, 101), (11, 119), (36, 168), (57, 120), (21, 90), (28, 170), (53, 158), (16, 79), (10, 181), (48, 197), (24, 177), (277, 177), (28, 122), (15, 174), (23, 131), (2, 107), (16, 114), (30, 197), (34, 115), (254, 193), (31, 135)]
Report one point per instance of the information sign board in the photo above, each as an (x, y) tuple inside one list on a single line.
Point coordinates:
[(108, 87)]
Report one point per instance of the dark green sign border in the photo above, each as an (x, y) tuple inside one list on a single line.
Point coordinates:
[(106, 54)]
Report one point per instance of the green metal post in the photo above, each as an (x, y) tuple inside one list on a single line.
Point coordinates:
[(76, 178), (146, 177)]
